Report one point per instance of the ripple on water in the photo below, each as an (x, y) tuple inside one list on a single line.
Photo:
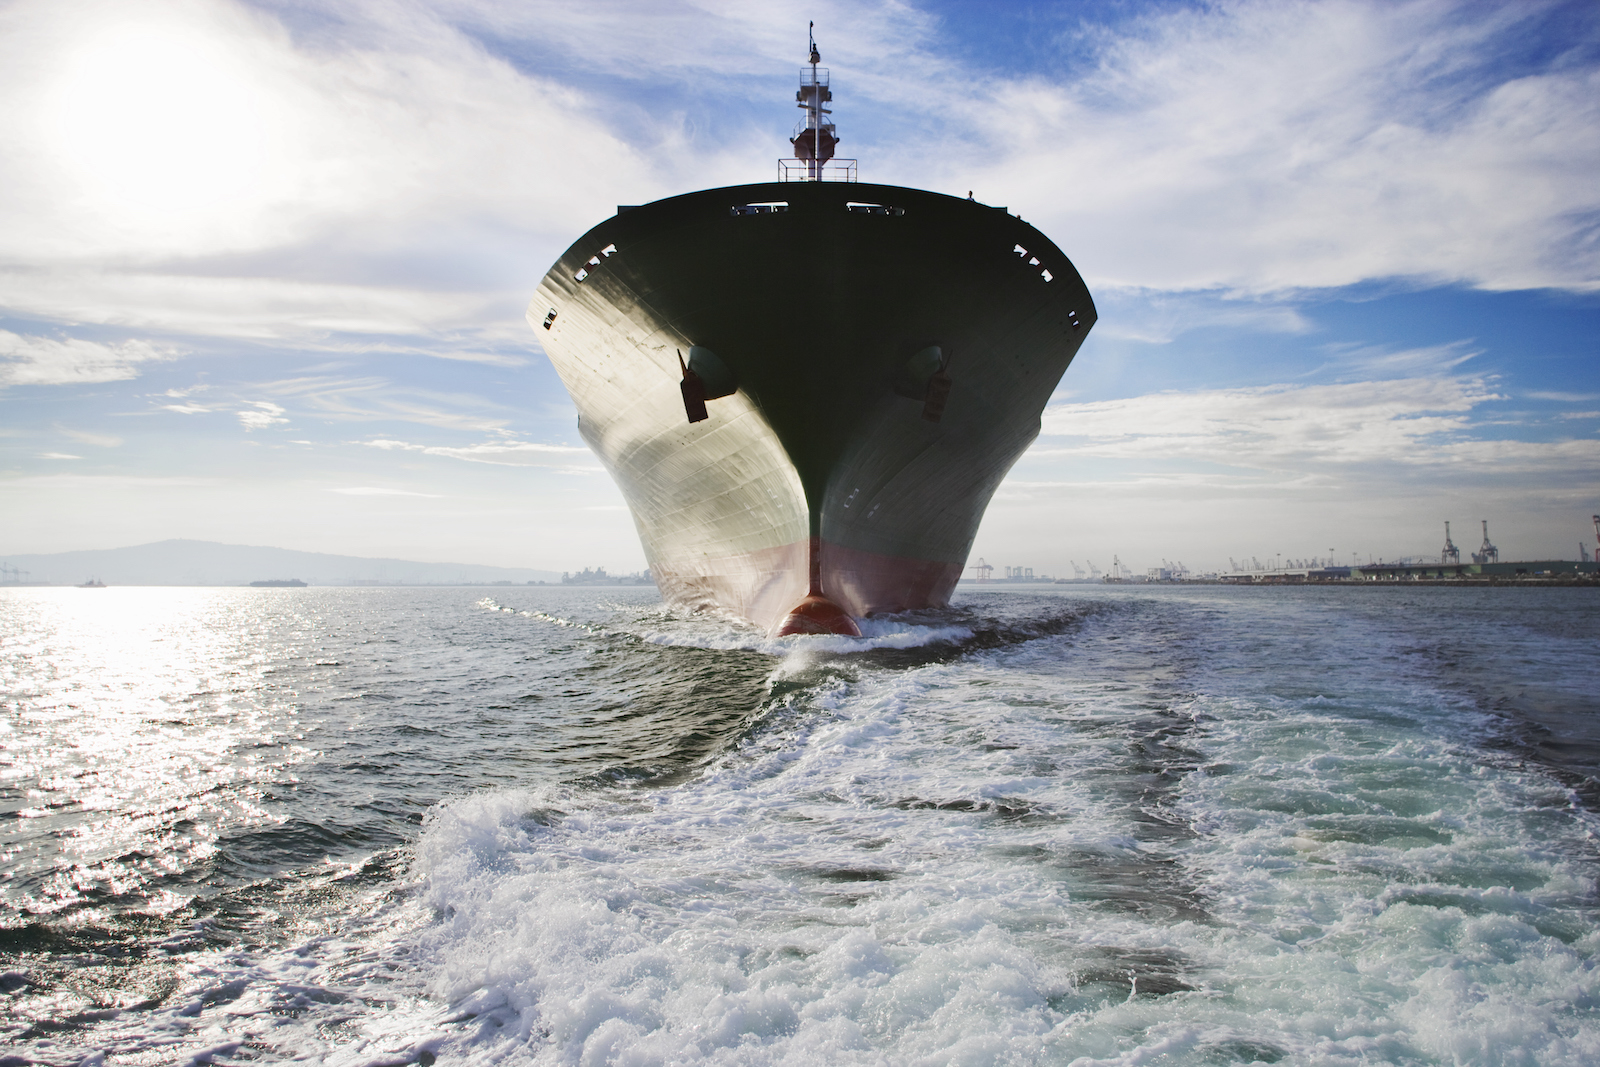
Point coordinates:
[(1119, 826)]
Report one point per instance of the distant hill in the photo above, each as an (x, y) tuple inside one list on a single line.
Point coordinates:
[(180, 562)]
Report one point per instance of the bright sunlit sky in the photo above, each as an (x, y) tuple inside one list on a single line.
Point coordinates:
[(263, 266)]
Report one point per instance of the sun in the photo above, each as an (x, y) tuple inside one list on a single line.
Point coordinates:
[(169, 129)]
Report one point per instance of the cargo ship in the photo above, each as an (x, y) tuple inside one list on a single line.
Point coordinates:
[(808, 390)]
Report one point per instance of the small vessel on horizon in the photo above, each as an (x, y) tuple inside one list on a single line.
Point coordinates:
[(92, 583), (808, 390), (279, 583)]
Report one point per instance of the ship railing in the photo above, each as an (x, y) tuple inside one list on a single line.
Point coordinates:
[(801, 170)]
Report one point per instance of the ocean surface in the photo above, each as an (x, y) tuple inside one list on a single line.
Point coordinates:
[(1083, 825)]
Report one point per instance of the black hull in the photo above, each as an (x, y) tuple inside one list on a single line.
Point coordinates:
[(815, 310)]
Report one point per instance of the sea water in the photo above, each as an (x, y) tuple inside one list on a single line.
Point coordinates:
[(1080, 825)]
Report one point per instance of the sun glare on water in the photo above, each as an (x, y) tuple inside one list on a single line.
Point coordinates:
[(169, 129)]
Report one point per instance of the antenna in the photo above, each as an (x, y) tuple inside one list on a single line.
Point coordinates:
[(815, 136)]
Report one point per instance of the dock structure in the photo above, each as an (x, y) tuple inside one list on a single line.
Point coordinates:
[(1287, 574), (1404, 571), (1511, 569)]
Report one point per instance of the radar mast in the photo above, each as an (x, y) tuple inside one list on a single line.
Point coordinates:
[(815, 135)]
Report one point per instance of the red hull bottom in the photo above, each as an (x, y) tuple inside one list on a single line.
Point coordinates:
[(766, 587), (817, 615)]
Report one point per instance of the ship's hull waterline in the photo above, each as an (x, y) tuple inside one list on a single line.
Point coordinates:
[(840, 318)]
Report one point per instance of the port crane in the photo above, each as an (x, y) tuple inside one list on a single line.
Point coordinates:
[(1486, 553), (1450, 553)]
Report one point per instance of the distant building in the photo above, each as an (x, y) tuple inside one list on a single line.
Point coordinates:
[(598, 576)]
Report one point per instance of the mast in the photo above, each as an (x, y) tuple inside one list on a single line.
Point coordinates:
[(815, 142)]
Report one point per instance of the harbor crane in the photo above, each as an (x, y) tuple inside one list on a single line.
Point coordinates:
[(983, 570), (1450, 553), (1486, 553), (1094, 572), (1077, 571)]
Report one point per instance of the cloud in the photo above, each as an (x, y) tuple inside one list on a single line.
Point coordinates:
[(100, 440), (371, 399), (1156, 317), (57, 455), (407, 170), (1551, 394), (1264, 146), (491, 359), (265, 414), (1377, 361), (32, 360), (91, 483), (1406, 423), (189, 127), (372, 490), (253, 307), (186, 409), (505, 453)]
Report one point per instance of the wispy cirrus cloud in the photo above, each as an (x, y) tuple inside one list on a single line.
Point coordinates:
[(34, 360), (387, 171), (1381, 363), (504, 453), (1409, 422), (1161, 317), (313, 314), (378, 490), (261, 414), (374, 398), (88, 437), (1266, 146), (1559, 395)]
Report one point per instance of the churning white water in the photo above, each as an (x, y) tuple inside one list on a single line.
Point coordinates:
[(1057, 826)]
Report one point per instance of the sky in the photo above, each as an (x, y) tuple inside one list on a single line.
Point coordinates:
[(264, 266)]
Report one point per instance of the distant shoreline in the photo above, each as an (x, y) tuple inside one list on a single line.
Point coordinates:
[(1592, 581), (338, 585)]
